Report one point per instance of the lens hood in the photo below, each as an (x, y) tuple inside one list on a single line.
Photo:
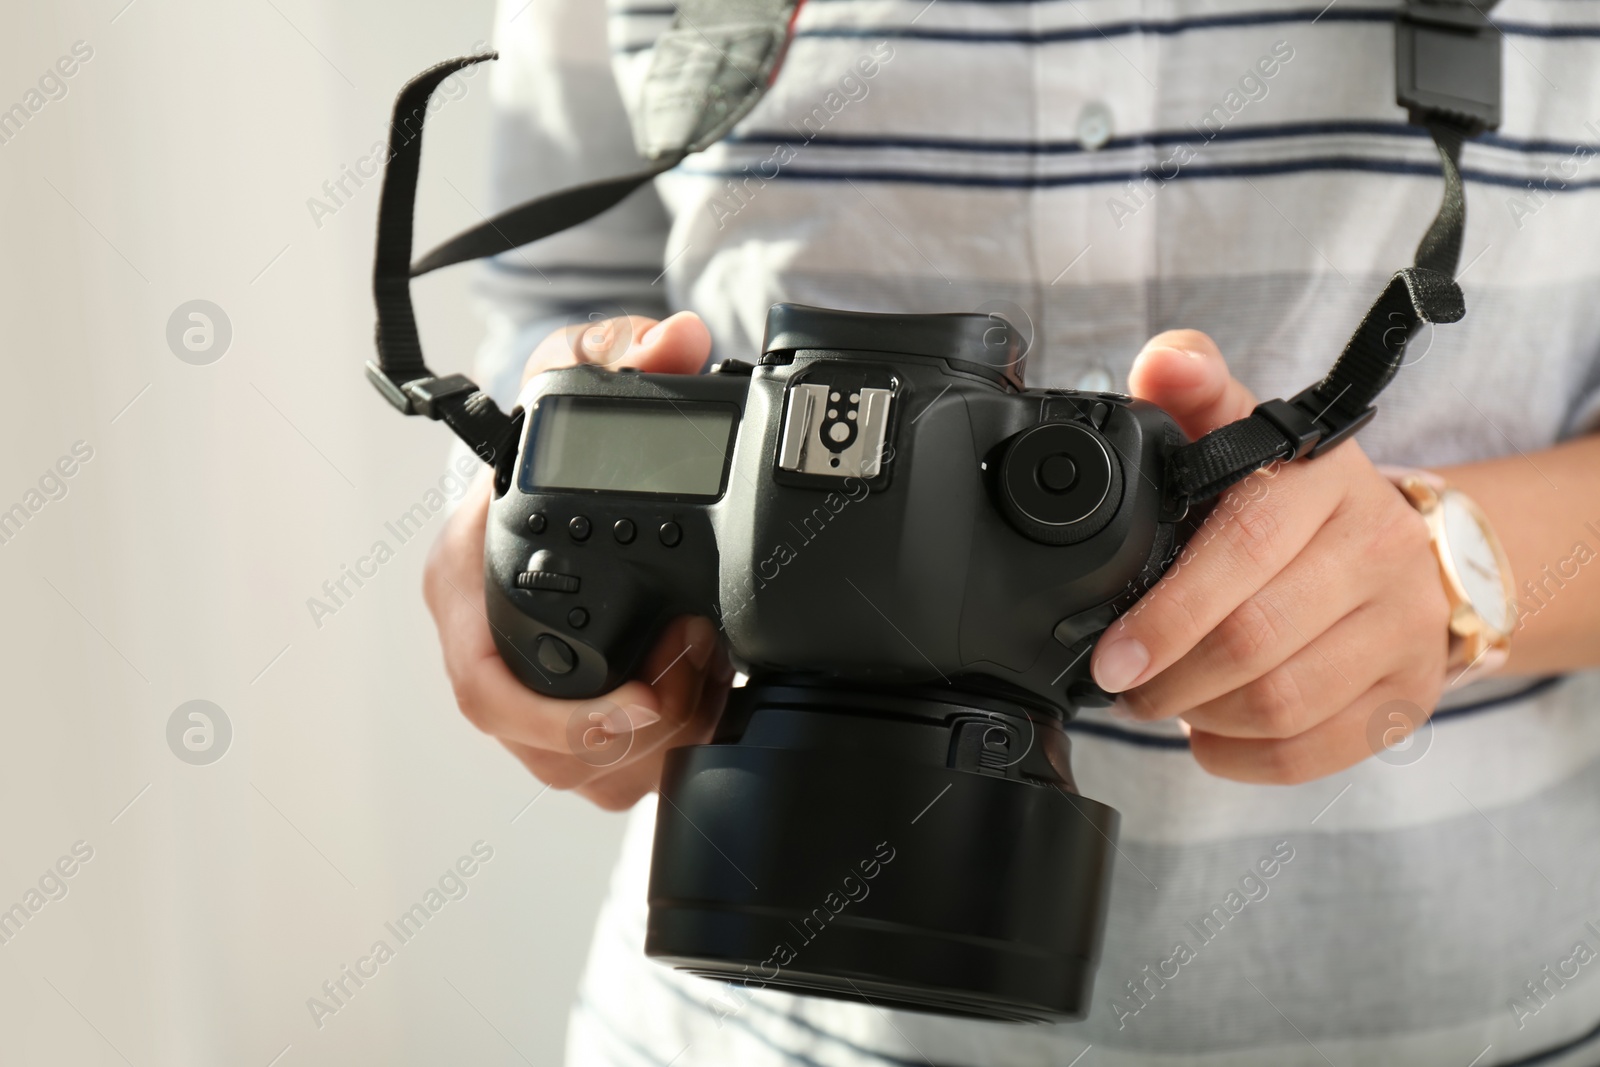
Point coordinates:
[(893, 849)]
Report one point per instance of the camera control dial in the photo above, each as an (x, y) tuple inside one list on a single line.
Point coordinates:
[(1058, 483)]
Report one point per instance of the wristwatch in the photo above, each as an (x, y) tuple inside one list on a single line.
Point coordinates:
[(1474, 568)]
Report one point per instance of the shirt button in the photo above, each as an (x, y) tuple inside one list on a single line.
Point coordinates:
[(1094, 125)]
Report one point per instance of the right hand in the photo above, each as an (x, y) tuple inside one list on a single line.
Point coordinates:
[(609, 749)]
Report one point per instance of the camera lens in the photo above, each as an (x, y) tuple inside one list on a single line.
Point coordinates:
[(909, 848)]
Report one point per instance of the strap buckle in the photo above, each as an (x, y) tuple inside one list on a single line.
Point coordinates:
[(1447, 63), (1309, 424), (421, 396)]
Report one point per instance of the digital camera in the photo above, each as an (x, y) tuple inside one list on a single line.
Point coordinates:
[(908, 551), (911, 555)]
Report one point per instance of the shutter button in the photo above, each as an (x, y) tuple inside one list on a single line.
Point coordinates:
[(1094, 125)]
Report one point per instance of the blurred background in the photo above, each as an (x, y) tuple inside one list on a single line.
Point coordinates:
[(244, 790)]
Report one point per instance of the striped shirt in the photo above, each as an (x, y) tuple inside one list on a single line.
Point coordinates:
[(1109, 169)]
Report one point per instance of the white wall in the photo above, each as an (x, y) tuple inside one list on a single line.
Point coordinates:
[(178, 566)]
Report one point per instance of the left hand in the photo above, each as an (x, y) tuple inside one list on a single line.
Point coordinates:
[(1309, 600)]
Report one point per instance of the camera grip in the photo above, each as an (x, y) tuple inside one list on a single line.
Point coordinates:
[(574, 617)]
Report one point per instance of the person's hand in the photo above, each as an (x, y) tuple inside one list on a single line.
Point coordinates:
[(1308, 603), (608, 749)]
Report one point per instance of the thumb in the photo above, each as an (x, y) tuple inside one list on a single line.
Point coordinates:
[(1182, 372), (678, 344)]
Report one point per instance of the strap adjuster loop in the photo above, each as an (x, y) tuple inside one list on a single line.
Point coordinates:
[(1309, 424), (1299, 429)]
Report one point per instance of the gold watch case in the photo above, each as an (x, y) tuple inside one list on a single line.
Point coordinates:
[(1474, 637)]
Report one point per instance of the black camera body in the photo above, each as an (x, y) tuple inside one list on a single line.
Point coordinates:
[(877, 500), (911, 554)]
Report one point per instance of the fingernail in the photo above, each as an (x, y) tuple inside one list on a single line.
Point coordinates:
[(626, 720), (1151, 348), (1119, 664)]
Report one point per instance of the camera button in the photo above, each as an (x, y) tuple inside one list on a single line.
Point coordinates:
[(671, 534), (623, 530), (536, 523), (1058, 473), (577, 618), (555, 655), (579, 528)]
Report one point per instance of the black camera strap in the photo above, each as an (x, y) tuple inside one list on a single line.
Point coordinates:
[(714, 64), (1447, 75), (709, 69), (400, 373)]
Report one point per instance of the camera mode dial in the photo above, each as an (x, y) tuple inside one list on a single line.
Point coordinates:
[(1058, 483)]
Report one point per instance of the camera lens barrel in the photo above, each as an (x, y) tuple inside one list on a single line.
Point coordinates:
[(911, 849)]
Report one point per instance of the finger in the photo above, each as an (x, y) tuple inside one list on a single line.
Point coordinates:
[(615, 769), (603, 343), (452, 580), (1251, 534), (489, 695), (1294, 609), (1182, 372), (1312, 685), (679, 655), (1333, 745), (632, 718), (622, 787), (678, 344), (686, 664)]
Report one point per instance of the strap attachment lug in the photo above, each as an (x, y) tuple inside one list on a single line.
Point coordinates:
[(1447, 64)]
